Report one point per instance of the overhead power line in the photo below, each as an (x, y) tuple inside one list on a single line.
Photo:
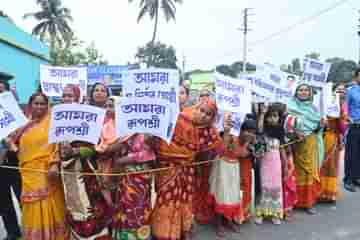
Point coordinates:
[(301, 22)]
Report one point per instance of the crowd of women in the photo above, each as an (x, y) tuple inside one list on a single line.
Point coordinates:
[(205, 177)]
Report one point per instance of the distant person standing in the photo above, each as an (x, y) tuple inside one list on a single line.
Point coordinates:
[(184, 95), (9, 178), (204, 96), (352, 148)]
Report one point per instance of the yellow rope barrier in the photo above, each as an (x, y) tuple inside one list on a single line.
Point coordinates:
[(148, 171)]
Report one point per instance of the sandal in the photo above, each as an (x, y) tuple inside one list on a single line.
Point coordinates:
[(258, 220), (276, 221), (311, 211)]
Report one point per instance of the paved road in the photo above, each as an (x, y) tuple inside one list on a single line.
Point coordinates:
[(340, 222), (333, 222)]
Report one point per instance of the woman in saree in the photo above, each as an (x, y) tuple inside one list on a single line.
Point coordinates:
[(344, 113), (88, 204), (43, 210), (172, 216), (132, 193), (204, 209), (289, 179), (184, 94), (333, 144), (309, 153)]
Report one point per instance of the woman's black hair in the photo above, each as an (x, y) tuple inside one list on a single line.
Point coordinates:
[(92, 90), (356, 73), (249, 124), (38, 94), (187, 89), (6, 84), (276, 131)]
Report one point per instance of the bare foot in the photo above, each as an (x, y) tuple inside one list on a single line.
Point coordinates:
[(233, 227), (220, 232), (187, 236)]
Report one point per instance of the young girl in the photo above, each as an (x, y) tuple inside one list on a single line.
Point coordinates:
[(246, 139), (270, 202), (225, 194)]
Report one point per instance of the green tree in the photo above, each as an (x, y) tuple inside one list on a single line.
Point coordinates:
[(294, 67), (152, 8), (226, 70), (341, 70), (53, 23), (234, 69), (157, 55), (76, 54), (3, 14), (313, 55)]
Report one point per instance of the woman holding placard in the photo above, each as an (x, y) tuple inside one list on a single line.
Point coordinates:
[(308, 154), (333, 142), (88, 204), (131, 193), (172, 217), (42, 195)]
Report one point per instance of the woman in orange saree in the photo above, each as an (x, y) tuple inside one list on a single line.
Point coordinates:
[(203, 207), (333, 141), (329, 169), (172, 217), (43, 210)]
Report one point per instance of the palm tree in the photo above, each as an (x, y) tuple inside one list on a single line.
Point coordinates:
[(153, 7), (53, 22)]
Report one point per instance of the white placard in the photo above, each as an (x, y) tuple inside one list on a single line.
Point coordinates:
[(232, 95), (237, 120), (316, 72), (11, 116), (76, 122), (143, 115), (331, 101), (270, 84), (54, 79), (219, 124), (155, 83)]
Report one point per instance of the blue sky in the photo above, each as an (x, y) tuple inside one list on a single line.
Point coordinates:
[(206, 30)]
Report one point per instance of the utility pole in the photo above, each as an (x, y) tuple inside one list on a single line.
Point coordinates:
[(358, 32), (183, 67), (245, 30)]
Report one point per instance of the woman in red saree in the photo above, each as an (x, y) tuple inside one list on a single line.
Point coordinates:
[(172, 216), (131, 193), (203, 209)]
